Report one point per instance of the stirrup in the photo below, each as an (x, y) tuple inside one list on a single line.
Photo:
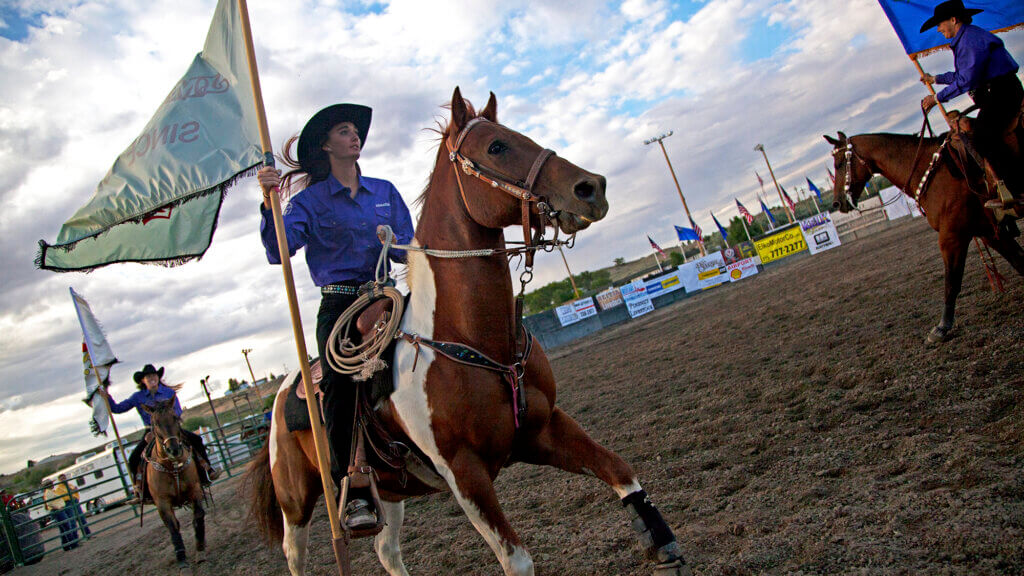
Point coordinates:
[(358, 515)]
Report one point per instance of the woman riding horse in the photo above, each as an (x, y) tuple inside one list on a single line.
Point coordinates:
[(151, 389), (335, 217)]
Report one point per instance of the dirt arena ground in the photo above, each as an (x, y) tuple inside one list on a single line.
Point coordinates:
[(793, 423)]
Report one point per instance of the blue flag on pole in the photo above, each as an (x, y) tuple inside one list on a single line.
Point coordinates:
[(814, 189), (721, 230), (686, 234), (907, 16), (771, 219)]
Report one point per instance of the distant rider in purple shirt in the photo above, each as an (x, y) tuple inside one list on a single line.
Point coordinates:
[(986, 71), (151, 389), (335, 217)]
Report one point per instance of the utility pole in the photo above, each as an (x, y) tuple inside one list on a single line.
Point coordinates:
[(760, 148), (659, 139), (245, 352)]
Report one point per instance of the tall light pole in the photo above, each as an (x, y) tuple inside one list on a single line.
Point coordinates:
[(760, 148), (571, 279), (659, 139), (245, 352)]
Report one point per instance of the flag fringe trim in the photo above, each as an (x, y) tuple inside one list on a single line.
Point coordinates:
[(930, 51), (221, 189)]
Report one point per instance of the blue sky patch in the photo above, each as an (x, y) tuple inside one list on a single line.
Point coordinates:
[(16, 25)]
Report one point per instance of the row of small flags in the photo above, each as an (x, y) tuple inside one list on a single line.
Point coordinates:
[(695, 234)]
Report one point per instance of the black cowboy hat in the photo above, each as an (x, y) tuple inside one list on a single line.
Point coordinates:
[(315, 132), (148, 369), (947, 10)]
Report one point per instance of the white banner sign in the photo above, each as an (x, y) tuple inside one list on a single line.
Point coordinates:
[(742, 269), (897, 204), (636, 298), (610, 298), (575, 311), (703, 273), (819, 233)]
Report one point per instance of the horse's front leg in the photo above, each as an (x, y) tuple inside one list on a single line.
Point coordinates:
[(388, 543), (562, 443), (954, 254), (199, 525), (167, 515), (471, 484)]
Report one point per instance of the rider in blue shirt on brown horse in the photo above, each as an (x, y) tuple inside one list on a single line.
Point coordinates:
[(152, 390), (986, 71)]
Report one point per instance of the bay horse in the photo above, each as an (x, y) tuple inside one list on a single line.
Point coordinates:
[(172, 479), (463, 418), (939, 186)]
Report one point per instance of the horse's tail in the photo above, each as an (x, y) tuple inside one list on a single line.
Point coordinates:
[(263, 506)]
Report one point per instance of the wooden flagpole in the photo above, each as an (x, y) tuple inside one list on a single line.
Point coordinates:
[(931, 89), (340, 537), (113, 424)]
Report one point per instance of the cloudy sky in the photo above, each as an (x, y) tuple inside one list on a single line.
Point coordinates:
[(589, 78)]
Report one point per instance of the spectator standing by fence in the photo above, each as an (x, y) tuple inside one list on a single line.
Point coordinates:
[(54, 502), (72, 506)]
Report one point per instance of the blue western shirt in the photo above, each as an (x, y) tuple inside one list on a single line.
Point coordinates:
[(145, 398), (979, 56), (339, 232)]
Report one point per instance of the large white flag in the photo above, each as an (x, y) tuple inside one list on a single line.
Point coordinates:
[(96, 354)]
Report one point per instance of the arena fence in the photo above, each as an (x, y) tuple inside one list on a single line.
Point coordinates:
[(28, 531)]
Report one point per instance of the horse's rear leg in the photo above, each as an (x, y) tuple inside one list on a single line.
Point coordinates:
[(294, 544), (199, 525), (565, 445), (388, 543), (167, 515), (471, 484), (1009, 249)]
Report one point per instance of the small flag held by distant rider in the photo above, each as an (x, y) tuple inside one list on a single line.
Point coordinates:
[(96, 354), (907, 16), (160, 201)]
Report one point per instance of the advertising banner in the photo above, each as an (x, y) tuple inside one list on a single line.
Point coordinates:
[(897, 204), (664, 284), (742, 269), (820, 233), (739, 251), (781, 244), (703, 273), (610, 298), (575, 311), (636, 298)]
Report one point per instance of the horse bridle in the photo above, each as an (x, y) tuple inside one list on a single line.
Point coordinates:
[(522, 190), (849, 155)]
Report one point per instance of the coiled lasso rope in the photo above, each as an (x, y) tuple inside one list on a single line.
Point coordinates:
[(364, 359)]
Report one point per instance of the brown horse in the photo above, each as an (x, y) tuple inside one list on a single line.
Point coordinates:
[(462, 417), (945, 196), (172, 479)]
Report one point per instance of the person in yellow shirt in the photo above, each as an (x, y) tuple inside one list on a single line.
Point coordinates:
[(72, 505), (54, 501)]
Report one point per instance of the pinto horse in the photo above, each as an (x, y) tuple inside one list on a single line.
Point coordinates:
[(461, 417), (941, 189), (172, 478)]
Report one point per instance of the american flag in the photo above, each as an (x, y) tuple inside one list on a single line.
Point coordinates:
[(789, 201), (657, 248), (744, 212), (700, 233), (831, 176), (759, 181)]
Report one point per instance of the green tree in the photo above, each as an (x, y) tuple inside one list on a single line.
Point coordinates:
[(195, 423), (233, 384), (620, 261)]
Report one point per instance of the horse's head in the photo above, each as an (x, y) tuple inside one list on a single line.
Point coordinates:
[(166, 428), (852, 173), (499, 169)]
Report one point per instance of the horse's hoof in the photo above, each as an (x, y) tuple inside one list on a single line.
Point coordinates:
[(938, 335), (673, 568)]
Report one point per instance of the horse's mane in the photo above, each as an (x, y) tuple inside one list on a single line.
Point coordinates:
[(442, 130)]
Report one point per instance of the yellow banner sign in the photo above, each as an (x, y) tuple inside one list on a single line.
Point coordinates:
[(778, 246)]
